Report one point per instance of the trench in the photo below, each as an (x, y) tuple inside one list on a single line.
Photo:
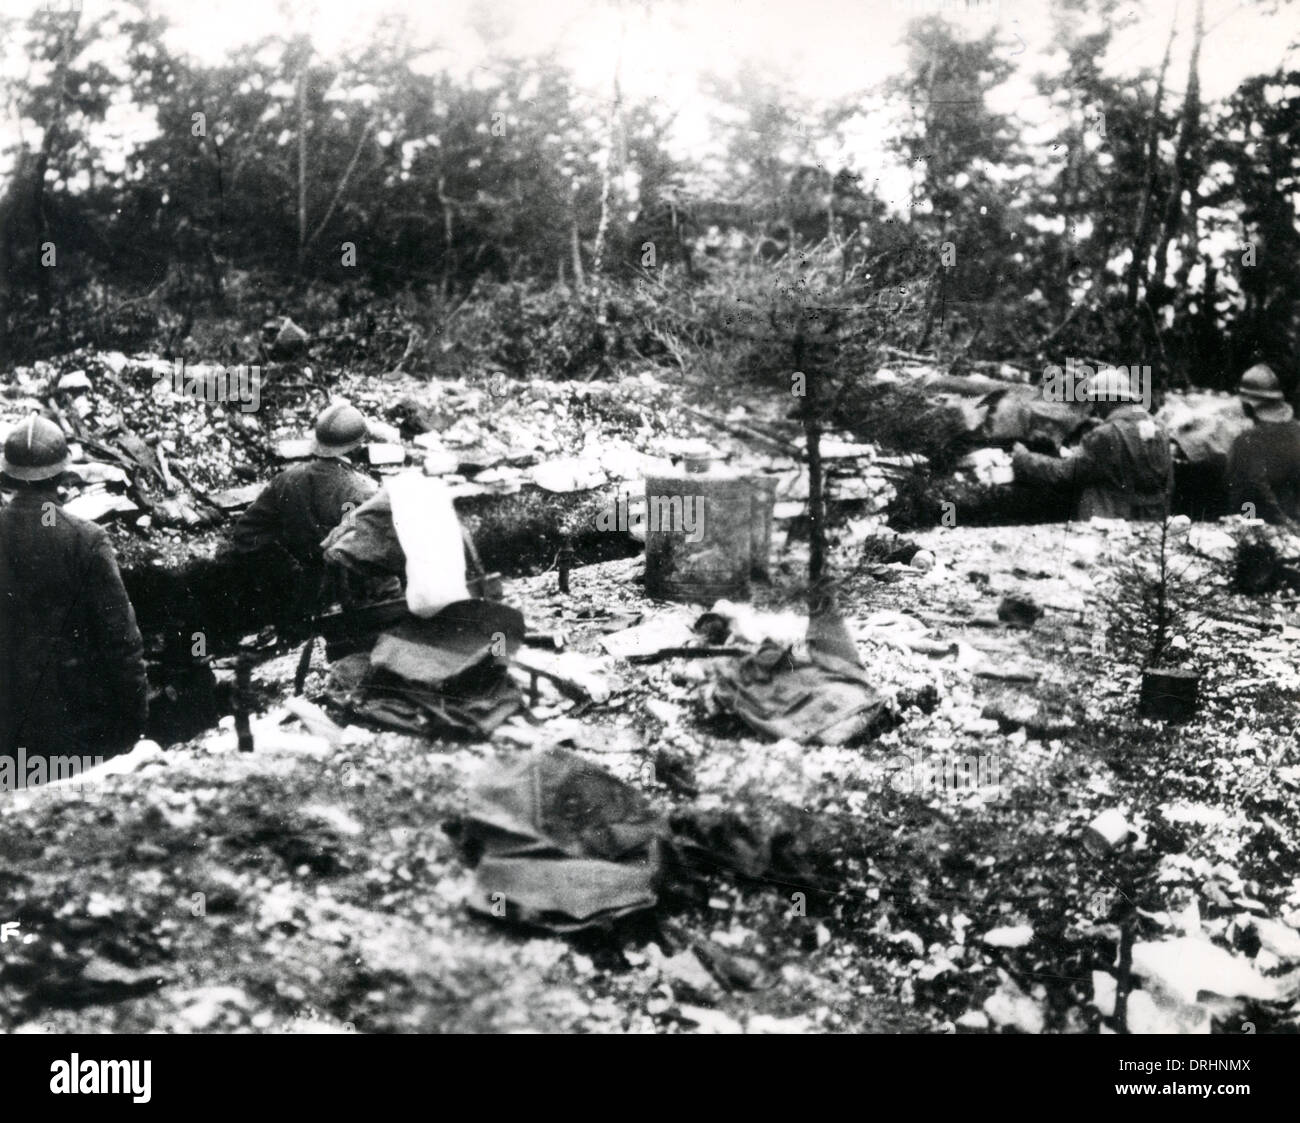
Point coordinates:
[(1199, 492), (518, 536), (193, 611)]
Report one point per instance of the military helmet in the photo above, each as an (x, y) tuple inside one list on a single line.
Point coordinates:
[(1262, 392), (35, 450), (339, 429), (1111, 385), (1260, 384)]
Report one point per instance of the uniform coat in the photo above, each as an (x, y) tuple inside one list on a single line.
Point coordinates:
[(72, 671), (298, 508), (281, 533), (1264, 469), (1123, 469)]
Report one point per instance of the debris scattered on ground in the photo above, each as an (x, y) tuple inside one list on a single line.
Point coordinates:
[(934, 868)]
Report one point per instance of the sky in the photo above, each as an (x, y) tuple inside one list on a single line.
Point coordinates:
[(825, 47), (817, 49)]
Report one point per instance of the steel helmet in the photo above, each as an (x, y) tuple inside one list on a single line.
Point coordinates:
[(339, 429), (1260, 384), (1111, 385), (35, 450), (1260, 389)]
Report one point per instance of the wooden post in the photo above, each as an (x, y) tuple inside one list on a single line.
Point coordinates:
[(1125, 981), (243, 700), (304, 665), (565, 562)]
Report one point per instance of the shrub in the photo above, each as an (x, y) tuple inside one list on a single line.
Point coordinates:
[(556, 332), (904, 419)]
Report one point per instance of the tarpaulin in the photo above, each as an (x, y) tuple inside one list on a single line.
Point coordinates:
[(1202, 426), (444, 673), (474, 705), (560, 843), (1021, 413), (564, 896), (459, 637), (825, 698)]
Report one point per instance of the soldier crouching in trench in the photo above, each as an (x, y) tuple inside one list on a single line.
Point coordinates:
[(1263, 467), (277, 541), (72, 670)]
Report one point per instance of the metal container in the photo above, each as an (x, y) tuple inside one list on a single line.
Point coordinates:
[(699, 535), (1106, 832), (1169, 694)]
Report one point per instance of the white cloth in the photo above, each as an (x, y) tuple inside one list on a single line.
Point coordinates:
[(429, 533)]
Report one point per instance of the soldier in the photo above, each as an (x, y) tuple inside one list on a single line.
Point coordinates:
[(1123, 468), (72, 671), (1264, 462), (281, 532)]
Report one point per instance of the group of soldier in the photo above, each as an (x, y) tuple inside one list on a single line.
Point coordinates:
[(1123, 468), (72, 666)]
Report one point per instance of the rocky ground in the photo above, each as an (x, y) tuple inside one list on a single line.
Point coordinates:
[(165, 459), (312, 887)]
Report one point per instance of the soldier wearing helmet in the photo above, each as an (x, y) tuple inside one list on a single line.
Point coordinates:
[(1123, 468), (72, 670), (301, 505), (1264, 462)]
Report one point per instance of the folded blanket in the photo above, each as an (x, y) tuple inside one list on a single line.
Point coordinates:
[(409, 527), (430, 535)]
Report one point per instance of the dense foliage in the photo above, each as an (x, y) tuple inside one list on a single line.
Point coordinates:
[(517, 220)]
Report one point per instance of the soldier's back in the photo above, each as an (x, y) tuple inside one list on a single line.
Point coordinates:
[(1265, 461), (47, 600)]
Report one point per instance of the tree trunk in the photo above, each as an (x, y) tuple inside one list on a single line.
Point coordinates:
[(1185, 170), (342, 187), (302, 163), (1142, 227), (607, 172), (575, 251), (812, 427), (8, 207)]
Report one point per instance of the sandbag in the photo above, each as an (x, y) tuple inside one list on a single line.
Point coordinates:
[(1203, 426)]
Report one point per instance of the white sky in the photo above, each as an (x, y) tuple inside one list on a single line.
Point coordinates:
[(827, 47), (819, 49)]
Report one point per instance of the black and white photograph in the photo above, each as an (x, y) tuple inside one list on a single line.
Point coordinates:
[(676, 517)]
